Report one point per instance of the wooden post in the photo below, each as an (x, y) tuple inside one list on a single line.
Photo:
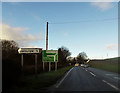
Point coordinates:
[(47, 45), (47, 37)]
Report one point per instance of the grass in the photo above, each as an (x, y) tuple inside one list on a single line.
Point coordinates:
[(107, 64), (30, 83)]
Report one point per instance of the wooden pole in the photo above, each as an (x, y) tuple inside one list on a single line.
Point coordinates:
[(47, 45), (47, 37)]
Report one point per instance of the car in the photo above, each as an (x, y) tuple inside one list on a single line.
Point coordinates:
[(77, 64), (86, 65), (82, 65)]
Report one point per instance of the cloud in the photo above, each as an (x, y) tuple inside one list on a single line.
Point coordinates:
[(112, 46), (18, 34), (103, 5)]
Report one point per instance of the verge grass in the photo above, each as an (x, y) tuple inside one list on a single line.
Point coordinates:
[(107, 64), (44, 80)]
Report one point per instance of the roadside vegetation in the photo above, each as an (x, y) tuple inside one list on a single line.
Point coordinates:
[(44, 80), (12, 71), (107, 64), (14, 79)]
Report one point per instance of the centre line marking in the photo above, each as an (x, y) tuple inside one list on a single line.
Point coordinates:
[(117, 78), (92, 74), (64, 78), (111, 85)]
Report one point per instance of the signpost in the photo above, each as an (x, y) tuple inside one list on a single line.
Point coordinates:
[(30, 51), (50, 56)]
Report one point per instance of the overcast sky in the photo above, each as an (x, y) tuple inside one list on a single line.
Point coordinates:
[(91, 27)]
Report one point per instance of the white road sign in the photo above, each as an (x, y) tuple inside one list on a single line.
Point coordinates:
[(29, 50)]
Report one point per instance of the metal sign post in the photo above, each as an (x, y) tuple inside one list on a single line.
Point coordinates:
[(50, 56), (22, 61), (30, 51), (49, 66), (43, 66), (55, 66), (36, 65)]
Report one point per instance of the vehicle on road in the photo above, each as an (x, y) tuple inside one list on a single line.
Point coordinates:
[(84, 65), (77, 64)]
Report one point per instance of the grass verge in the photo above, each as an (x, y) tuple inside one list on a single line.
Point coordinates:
[(30, 83), (109, 65)]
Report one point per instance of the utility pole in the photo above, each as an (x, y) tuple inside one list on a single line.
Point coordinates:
[(47, 37), (46, 46)]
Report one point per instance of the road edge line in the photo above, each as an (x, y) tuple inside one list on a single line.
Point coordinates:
[(64, 78)]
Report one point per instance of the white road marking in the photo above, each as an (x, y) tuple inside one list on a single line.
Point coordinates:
[(111, 85), (63, 78), (92, 74), (85, 69), (116, 78), (109, 74), (113, 76)]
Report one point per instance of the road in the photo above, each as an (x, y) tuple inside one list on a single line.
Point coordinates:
[(87, 79)]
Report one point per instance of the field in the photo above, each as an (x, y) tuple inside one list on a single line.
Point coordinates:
[(107, 64)]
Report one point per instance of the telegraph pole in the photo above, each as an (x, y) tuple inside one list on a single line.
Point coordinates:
[(47, 37), (46, 46)]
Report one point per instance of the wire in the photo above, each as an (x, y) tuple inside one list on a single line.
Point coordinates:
[(101, 20)]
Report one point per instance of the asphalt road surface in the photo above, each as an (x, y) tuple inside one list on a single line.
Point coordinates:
[(87, 79)]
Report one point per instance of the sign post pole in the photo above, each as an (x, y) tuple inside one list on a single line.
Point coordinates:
[(36, 65), (43, 66), (22, 61), (49, 66), (30, 51), (55, 66)]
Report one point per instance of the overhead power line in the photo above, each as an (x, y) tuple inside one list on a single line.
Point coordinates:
[(97, 20)]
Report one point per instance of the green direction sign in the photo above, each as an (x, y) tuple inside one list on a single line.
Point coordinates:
[(50, 55)]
